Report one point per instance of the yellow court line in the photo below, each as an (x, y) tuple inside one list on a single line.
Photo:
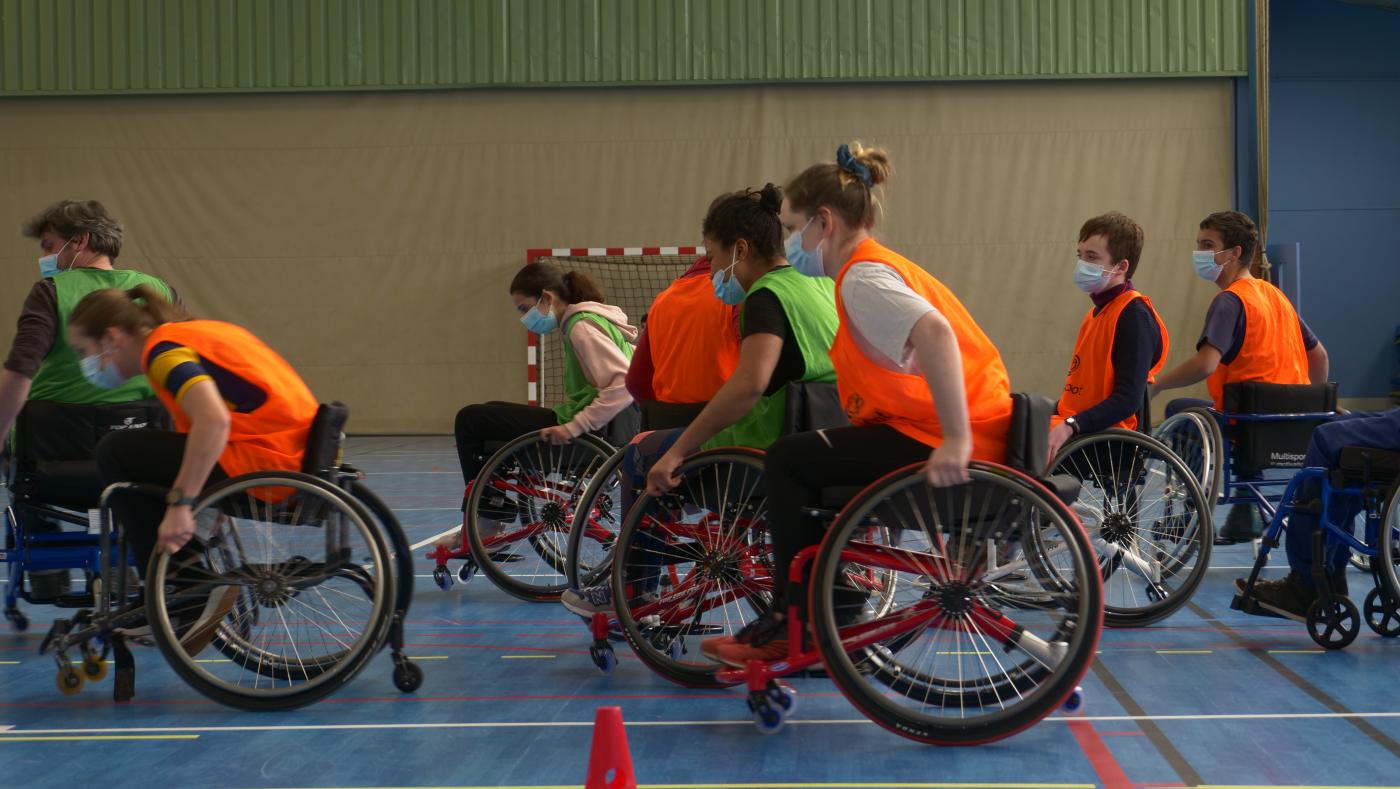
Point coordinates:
[(214, 660), (9, 662), (528, 657), (1184, 651), (7, 738), (427, 657)]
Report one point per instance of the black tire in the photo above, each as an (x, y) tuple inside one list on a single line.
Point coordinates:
[(1386, 563), (709, 534), (536, 538), (1194, 437), (395, 539), (327, 516), (589, 557), (1145, 514), (948, 583)]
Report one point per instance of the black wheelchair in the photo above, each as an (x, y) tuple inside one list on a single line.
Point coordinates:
[(520, 507), (53, 486), (297, 579)]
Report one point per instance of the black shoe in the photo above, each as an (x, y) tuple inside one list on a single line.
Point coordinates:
[(1242, 525), (1288, 597)]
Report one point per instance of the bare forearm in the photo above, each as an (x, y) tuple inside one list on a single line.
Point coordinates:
[(203, 446), (14, 391), (1191, 371), (1317, 365), (936, 348), (730, 404)]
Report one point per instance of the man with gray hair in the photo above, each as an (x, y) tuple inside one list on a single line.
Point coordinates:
[(79, 241)]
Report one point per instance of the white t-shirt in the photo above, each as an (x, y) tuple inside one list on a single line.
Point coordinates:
[(882, 311)]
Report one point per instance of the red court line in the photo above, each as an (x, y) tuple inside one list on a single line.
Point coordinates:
[(1110, 774)]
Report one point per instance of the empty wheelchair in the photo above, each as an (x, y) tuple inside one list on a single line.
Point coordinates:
[(1146, 516), (1246, 454), (947, 615), (53, 486), (520, 508), (296, 579), (1364, 483)]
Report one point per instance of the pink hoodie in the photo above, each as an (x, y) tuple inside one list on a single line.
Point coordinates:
[(604, 365)]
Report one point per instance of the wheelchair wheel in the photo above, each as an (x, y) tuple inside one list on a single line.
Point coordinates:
[(1386, 563), (960, 658), (1196, 439), (694, 563), (520, 511), (292, 580), (597, 520), (1144, 513)]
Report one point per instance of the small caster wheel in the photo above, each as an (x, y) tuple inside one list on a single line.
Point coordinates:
[(468, 570), (1075, 701), (1382, 613), (408, 677), (1333, 622), (768, 718), (442, 578), (676, 649), (1155, 593), (18, 621), (94, 668), (784, 696), (69, 681), (604, 658)]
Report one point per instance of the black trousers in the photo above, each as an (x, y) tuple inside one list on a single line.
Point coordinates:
[(494, 421), (798, 466), (146, 456)]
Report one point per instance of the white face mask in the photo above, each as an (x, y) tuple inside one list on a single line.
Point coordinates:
[(1206, 267), (1090, 278)]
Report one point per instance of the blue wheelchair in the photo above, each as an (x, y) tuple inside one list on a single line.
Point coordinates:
[(50, 528), (1242, 455)]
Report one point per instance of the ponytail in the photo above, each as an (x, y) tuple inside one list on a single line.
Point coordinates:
[(571, 286), (133, 311)]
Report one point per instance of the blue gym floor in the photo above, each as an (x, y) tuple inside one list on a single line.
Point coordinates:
[(1210, 697)]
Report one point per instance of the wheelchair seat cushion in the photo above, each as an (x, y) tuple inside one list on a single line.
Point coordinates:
[(70, 484), (1363, 465)]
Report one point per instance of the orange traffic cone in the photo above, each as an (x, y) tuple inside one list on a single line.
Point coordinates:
[(609, 762)]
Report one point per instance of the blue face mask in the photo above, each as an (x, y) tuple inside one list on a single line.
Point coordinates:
[(539, 322), (48, 264), (1206, 267), (808, 263), (1090, 278), (729, 291), (100, 375)]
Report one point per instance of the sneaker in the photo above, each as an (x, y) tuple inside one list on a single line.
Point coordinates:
[(1287, 598), (758, 632), (1241, 525), (201, 632), (590, 601), (738, 655)]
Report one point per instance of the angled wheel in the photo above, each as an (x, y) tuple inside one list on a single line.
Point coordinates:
[(695, 563), (521, 509), (1195, 438), (597, 521), (961, 656), (1146, 517), (283, 580)]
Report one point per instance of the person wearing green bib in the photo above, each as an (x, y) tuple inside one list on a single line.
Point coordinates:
[(597, 349), (79, 241), (786, 324)]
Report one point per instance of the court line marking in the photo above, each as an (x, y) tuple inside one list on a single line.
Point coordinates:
[(89, 738), (528, 657), (665, 724), (1296, 651), (434, 539), (856, 785), (1184, 651)]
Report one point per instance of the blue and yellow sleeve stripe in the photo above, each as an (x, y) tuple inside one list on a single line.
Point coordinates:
[(175, 368)]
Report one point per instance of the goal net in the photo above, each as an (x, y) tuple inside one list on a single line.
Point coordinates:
[(631, 278)]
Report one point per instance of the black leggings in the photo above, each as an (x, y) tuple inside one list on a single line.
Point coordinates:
[(798, 466), (150, 457), (494, 421)]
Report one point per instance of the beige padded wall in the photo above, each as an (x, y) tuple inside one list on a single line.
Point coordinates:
[(370, 237)]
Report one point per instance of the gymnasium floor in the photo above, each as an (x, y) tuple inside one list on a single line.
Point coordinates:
[(1210, 697)]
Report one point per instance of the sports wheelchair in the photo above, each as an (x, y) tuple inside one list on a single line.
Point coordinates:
[(947, 615), (1364, 482), (53, 484), (1237, 455), (528, 491), (296, 578)]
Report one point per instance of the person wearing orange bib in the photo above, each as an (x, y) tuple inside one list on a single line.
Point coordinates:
[(689, 345), (1122, 342), (919, 380), (237, 406), (1251, 333)]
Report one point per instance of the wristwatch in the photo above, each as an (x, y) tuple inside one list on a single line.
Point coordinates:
[(177, 498), (1073, 425)]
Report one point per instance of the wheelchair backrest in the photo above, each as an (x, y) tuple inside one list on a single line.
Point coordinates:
[(812, 405), (1144, 414), (48, 432), (323, 443), (1261, 445), (668, 416), (1028, 440)]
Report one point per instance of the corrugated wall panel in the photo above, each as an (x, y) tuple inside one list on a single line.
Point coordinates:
[(160, 46)]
